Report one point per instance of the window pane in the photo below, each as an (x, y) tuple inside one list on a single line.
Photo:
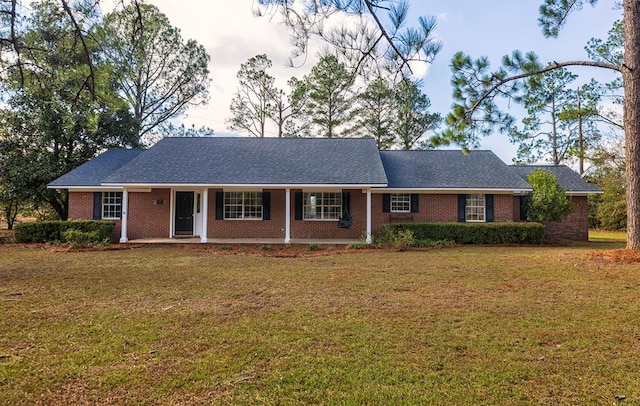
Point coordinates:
[(322, 205), (243, 205), (111, 205), (400, 203), (474, 210)]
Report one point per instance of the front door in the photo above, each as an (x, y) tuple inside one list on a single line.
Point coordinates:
[(184, 213)]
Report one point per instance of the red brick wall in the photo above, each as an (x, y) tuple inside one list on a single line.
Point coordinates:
[(80, 205), (275, 227), (81, 208), (503, 209), (330, 229), (439, 208), (146, 218), (576, 226)]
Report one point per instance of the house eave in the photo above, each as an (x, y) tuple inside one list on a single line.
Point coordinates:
[(86, 188), (452, 190), (232, 186), (579, 193)]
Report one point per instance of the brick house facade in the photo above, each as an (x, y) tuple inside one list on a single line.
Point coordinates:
[(282, 189)]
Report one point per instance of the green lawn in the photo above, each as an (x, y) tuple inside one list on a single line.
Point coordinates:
[(604, 235), (179, 325)]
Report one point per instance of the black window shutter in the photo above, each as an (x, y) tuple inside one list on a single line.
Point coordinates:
[(462, 204), (386, 203), (346, 203), (97, 205), (297, 200), (219, 205), (266, 205), (488, 202), (414, 203), (524, 201), (119, 194)]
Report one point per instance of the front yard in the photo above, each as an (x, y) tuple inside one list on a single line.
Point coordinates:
[(185, 325)]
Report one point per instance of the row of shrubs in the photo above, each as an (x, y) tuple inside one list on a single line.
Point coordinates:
[(74, 233), (406, 234), (91, 233)]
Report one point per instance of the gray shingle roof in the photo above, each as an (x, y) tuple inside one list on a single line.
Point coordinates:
[(569, 179), (93, 172), (449, 169), (240, 160)]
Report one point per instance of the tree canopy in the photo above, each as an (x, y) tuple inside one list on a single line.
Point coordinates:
[(548, 201), (155, 70), (368, 35)]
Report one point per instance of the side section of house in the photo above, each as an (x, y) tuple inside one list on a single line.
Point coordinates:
[(576, 225)]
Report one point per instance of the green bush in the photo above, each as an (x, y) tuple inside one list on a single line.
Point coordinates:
[(313, 247), (466, 233), (432, 243), (54, 231), (76, 238)]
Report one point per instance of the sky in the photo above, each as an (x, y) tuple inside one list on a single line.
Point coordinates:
[(232, 34)]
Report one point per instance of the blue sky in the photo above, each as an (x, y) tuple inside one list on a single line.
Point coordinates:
[(493, 28)]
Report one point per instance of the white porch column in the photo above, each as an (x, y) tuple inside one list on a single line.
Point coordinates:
[(205, 212), (369, 216), (287, 217), (124, 215)]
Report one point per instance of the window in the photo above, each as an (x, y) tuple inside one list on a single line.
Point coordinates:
[(475, 208), (111, 205), (400, 203), (322, 206), (243, 206)]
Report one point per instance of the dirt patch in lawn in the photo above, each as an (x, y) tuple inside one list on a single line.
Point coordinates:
[(621, 256)]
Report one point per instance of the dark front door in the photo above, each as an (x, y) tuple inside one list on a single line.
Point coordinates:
[(184, 213)]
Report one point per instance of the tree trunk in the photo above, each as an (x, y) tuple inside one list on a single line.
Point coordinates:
[(554, 132), (631, 78), (580, 136)]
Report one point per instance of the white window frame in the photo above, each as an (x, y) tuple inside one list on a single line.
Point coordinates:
[(317, 206), (250, 205), (400, 203), (111, 206), (475, 208)]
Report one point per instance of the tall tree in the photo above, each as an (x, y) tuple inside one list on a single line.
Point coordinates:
[(288, 109), (476, 89), (255, 100), (155, 70), (374, 32), (330, 99), (375, 112), (546, 98), (412, 118), (54, 119)]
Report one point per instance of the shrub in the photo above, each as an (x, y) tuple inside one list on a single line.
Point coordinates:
[(397, 237), (313, 247), (77, 238), (432, 243), (467, 233), (357, 246), (53, 231), (266, 247)]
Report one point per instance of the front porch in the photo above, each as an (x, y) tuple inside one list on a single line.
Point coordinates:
[(197, 240)]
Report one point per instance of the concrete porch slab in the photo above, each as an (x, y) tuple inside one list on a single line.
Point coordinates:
[(196, 240)]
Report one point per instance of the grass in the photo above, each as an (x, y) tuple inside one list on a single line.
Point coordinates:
[(179, 325), (607, 236)]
